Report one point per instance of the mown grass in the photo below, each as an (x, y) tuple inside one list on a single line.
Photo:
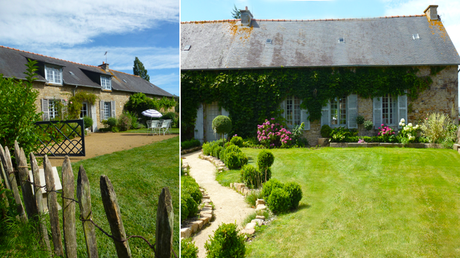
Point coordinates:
[(138, 175), (366, 202)]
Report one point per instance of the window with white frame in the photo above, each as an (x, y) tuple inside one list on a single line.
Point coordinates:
[(53, 109), (294, 114), (84, 110), (53, 74), (389, 110), (106, 82), (341, 111)]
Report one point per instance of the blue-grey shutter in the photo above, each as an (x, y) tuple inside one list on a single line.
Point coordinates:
[(325, 114), (283, 108), (45, 110), (304, 118), (377, 116), (101, 110), (112, 109), (199, 125), (225, 112), (352, 111), (94, 116), (402, 108)]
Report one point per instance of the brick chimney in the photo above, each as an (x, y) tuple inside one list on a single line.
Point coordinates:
[(246, 17), (104, 66), (431, 13)]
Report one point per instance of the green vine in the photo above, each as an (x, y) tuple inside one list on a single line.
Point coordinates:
[(76, 103), (251, 96)]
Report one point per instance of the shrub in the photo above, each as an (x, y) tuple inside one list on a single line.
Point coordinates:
[(368, 125), (190, 144), (360, 120), (183, 207), (190, 205), (297, 134), (190, 186), (326, 131), (235, 160), (250, 176), (222, 125), (265, 159), (438, 127), (207, 148), (124, 122), (269, 186), (112, 121), (340, 134), (88, 121), (295, 194), (226, 242), (271, 134), (188, 248), (216, 151), (18, 115), (237, 140), (278, 201)]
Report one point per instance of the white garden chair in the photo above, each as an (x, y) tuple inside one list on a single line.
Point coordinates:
[(155, 126), (165, 126)]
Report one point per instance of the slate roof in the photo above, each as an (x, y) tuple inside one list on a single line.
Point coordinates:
[(12, 64), (385, 41)]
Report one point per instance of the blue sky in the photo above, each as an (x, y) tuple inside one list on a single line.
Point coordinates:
[(82, 31)]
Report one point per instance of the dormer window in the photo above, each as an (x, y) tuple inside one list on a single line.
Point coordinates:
[(53, 74), (106, 82)]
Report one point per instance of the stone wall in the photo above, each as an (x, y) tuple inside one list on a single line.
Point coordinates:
[(442, 96)]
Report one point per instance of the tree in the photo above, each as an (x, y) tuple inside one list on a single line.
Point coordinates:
[(18, 116), (139, 69), (236, 14), (222, 125)]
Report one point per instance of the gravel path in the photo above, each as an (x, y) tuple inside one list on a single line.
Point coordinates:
[(230, 205)]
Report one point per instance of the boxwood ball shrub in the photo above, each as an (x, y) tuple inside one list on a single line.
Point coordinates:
[(295, 194), (360, 120), (368, 125), (216, 151), (222, 124), (188, 248), (250, 176), (190, 205), (235, 160), (226, 242), (237, 140), (269, 186), (278, 201), (88, 121), (326, 131), (265, 159)]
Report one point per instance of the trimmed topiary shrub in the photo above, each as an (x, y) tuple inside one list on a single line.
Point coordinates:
[(188, 248), (326, 131), (88, 121), (226, 242), (111, 122), (216, 151), (237, 140), (207, 148), (295, 194), (278, 201), (368, 125), (265, 159), (250, 176), (222, 125), (269, 186)]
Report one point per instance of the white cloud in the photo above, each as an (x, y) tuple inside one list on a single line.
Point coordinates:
[(449, 11), (68, 23)]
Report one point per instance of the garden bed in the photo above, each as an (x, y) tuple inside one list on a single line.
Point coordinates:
[(388, 145)]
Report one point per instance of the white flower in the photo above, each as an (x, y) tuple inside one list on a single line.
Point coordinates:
[(402, 120), (410, 124)]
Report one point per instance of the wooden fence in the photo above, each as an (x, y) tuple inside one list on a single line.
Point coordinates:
[(33, 209)]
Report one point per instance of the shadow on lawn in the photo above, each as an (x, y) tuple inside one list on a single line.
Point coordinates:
[(303, 206)]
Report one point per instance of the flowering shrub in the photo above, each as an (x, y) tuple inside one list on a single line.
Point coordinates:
[(272, 134), (387, 134), (408, 132), (361, 141)]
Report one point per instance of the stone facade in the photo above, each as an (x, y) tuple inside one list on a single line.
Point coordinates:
[(442, 96)]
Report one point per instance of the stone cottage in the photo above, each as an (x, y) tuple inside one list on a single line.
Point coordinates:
[(416, 41), (58, 80)]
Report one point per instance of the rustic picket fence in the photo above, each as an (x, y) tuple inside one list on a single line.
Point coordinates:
[(34, 209)]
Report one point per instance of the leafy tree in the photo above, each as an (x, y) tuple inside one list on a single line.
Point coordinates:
[(18, 116), (236, 14), (139, 69)]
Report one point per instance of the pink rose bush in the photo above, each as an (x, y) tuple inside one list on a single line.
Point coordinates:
[(272, 134)]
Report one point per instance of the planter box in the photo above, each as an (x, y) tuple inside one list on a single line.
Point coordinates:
[(355, 144), (390, 145), (323, 142), (338, 144)]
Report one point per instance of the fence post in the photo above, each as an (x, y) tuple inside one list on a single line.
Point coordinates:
[(112, 210), (53, 207), (68, 209), (165, 224), (2, 157), (28, 196), (39, 200), (14, 185), (84, 201), (5, 179)]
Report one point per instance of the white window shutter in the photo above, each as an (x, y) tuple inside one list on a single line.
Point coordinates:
[(304, 118), (402, 108), (325, 114), (352, 101), (199, 124), (45, 110), (112, 109), (94, 117), (283, 107), (101, 110), (377, 103)]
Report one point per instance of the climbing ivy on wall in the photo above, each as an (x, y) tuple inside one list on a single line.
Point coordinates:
[(251, 96)]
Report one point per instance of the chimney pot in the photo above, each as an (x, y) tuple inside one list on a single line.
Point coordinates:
[(431, 13)]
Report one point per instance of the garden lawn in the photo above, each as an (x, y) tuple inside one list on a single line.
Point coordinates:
[(138, 175), (366, 202)]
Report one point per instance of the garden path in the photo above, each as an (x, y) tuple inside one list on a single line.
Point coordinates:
[(230, 206)]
